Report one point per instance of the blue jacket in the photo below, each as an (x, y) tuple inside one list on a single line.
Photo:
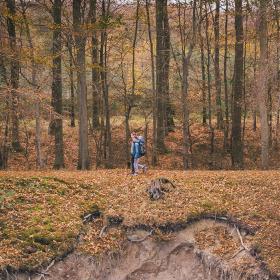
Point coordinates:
[(135, 149)]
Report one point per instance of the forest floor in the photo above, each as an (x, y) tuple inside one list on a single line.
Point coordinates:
[(41, 213), (200, 157)]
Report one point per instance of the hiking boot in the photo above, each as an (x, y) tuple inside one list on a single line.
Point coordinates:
[(145, 169)]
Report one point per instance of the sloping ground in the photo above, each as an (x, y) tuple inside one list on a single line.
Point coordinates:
[(200, 148), (41, 214), (179, 258)]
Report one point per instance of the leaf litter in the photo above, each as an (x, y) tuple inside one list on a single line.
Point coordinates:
[(41, 213)]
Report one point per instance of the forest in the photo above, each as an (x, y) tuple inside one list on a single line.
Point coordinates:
[(198, 79), (93, 91)]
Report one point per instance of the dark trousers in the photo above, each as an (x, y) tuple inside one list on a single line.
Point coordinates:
[(132, 164)]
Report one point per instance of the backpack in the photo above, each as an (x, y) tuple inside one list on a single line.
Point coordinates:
[(142, 146)]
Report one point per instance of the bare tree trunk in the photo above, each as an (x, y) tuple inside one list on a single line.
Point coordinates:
[(217, 66), (244, 77), (269, 113), (107, 142), (185, 112), (255, 76), (169, 111), (103, 86), (211, 128), (72, 89), (4, 149), (237, 147), (80, 41), (134, 48), (154, 150), (39, 160), (262, 84), (161, 72), (130, 99), (3, 71), (226, 128), (278, 74), (95, 74), (184, 98), (11, 6), (208, 68), (57, 86), (202, 63)]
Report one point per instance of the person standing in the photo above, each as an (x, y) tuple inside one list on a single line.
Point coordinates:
[(136, 153)]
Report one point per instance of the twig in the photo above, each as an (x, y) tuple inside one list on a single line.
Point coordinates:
[(44, 272), (141, 239), (236, 253), (102, 231), (241, 240), (86, 217)]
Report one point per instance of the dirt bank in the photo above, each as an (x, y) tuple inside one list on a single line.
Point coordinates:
[(195, 253)]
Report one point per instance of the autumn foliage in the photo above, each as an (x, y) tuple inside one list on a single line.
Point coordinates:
[(42, 212)]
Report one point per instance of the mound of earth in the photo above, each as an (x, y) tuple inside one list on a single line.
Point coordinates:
[(182, 257)]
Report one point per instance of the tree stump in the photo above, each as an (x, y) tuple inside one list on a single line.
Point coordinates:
[(158, 187)]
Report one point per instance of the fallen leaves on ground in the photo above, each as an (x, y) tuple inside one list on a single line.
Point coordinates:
[(41, 212)]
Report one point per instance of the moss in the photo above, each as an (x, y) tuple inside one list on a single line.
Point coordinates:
[(47, 213), (36, 208), (44, 240), (55, 179), (207, 205)]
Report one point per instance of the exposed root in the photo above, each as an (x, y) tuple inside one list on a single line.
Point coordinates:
[(102, 231), (140, 239), (45, 271), (241, 240)]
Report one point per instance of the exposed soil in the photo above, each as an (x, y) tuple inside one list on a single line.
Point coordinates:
[(194, 253)]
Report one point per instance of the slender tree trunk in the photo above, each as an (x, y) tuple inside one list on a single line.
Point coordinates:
[(161, 72), (217, 66), (154, 150), (4, 150), (185, 86), (269, 113), (39, 160), (244, 77), (57, 86), (11, 6), (263, 83), (169, 111), (278, 74), (127, 108), (3, 71), (211, 128), (107, 142), (208, 68), (129, 99), (226, 128), (202, 63), (134, 48), (80, 41), (237, 147), (102, 82), (95, 74), (255, 76), (185, 112), (71, 77)]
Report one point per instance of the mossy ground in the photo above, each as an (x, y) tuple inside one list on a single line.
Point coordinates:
[(41, 212)]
